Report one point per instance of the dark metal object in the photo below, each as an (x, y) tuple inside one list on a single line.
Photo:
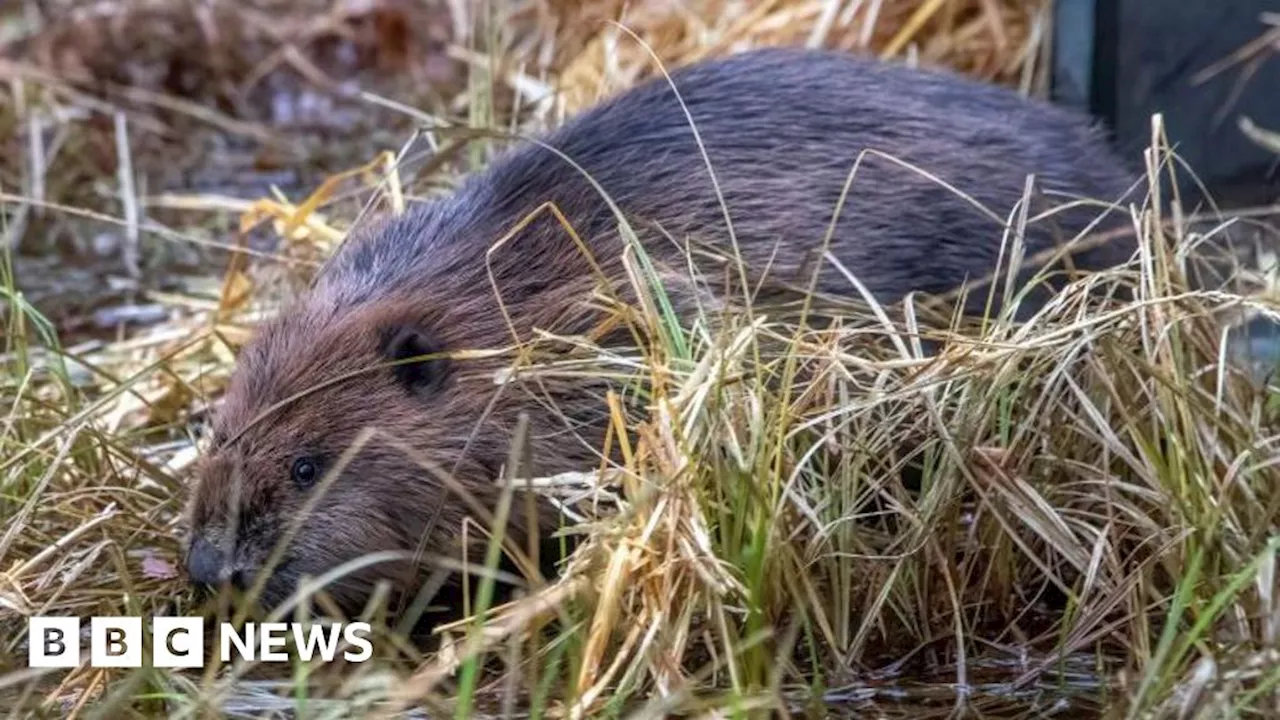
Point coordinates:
[(1074, 32), (1125, 60)]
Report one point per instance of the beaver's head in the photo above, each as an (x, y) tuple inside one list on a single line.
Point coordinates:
[(335, 445)]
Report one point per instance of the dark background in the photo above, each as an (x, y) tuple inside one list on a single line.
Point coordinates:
[(1127, 59)]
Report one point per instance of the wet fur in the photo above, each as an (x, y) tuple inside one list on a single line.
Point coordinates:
[(782, 129)]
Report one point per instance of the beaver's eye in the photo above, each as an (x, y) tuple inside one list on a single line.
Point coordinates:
[(304, 473)]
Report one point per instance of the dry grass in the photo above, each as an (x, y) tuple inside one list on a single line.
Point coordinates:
[(1088, 526)]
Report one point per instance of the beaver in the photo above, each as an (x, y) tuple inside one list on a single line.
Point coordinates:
[(748, 157)]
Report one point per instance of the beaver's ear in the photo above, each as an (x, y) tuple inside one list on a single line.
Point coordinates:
[(406, 346)]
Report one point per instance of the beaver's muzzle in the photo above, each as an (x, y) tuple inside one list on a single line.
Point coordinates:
[(207, 565)]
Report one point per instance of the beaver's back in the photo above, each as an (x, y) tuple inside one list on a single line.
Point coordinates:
[(782, 130)]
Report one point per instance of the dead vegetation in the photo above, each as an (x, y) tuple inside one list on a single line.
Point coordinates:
[(1092, 525)]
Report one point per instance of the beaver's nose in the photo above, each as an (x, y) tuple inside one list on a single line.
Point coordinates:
[(205, 562)]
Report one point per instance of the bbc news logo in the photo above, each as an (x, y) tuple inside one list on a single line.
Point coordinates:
[(178, 642)]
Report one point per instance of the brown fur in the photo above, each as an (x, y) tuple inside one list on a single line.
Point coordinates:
[(782, 129)]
